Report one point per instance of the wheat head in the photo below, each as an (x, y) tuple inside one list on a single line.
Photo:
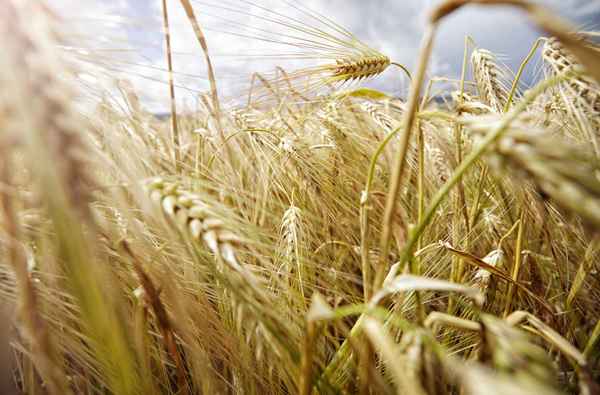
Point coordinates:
[(359, 67), (489, 78), (196, 217), (583, 89)]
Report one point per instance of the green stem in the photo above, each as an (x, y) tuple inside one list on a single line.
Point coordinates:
[(401, 66), (515, 84), (460, 204), (477, 201), (517, 264), (592, 341), (364, 213)]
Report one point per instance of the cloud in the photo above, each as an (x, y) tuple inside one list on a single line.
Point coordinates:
[(132, 36)]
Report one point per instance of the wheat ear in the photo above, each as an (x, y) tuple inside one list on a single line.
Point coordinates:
[(191, 213), (488, 77), (379, 117), (584, 89), (359, 67), (563, 172), (45, 98), (291, 234), (198, 220)]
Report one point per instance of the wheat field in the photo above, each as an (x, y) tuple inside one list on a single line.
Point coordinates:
[(316, 236)]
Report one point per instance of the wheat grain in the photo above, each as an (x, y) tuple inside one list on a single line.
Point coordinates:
[(466, 104), (242, 289), (291, 243), (437, 157)]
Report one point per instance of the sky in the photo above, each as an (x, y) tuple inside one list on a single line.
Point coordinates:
[(123, 39)]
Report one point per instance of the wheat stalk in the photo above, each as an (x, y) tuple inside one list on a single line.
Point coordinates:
[(32, 326), (174, 125), (408, 123), (216, 104)]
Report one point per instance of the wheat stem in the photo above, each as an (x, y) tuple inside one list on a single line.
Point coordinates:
[(403, 68), (460, 200), (516, 265), (305, 382), (400, 163), (189, 10), (152, 293), (592, 341), (522, 66), (174, 127)]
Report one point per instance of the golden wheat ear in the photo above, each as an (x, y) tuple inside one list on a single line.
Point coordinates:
[(333, 56), (583, 89), (360, 67), (307, 83), (490, 79)]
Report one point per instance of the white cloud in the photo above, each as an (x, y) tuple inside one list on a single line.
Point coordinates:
[(130, 33)]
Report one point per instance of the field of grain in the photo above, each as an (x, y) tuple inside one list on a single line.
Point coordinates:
[(316, 237)]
